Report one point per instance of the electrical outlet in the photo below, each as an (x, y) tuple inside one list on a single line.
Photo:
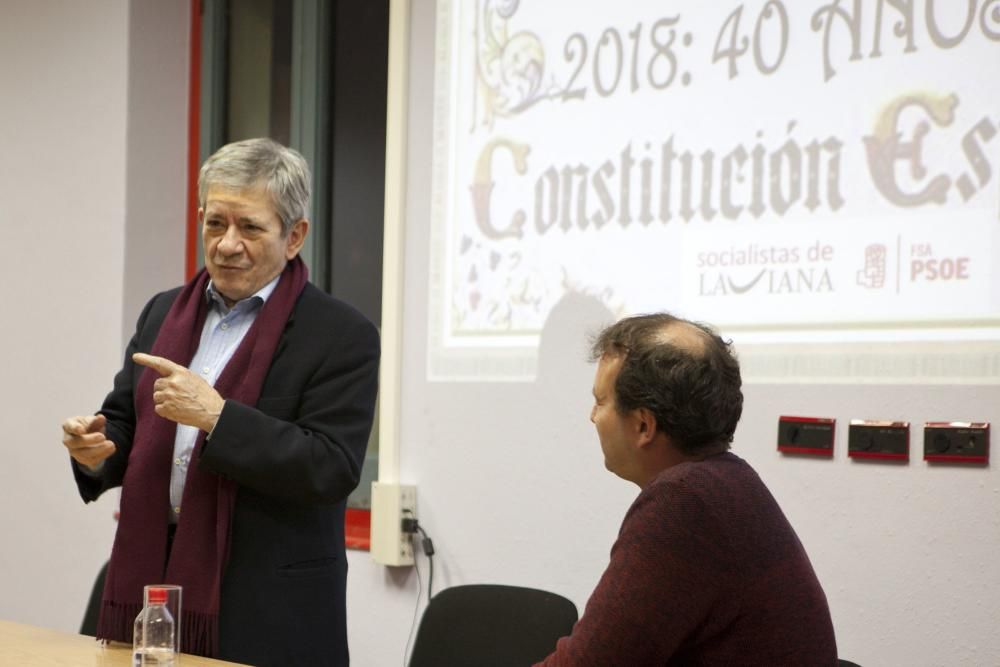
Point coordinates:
[(887, 440), (806, 435), (391, 503), (957, 442)]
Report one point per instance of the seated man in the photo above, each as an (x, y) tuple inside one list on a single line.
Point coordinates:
[(706, 569)]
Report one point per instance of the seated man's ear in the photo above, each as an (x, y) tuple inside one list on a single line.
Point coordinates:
[(645, 426)]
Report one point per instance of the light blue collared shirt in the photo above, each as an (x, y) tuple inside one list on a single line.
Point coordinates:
[(223, 332)]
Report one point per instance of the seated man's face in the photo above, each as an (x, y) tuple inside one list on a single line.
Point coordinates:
[(243, 244), (613, 429)]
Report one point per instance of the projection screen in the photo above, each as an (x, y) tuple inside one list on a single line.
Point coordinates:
[(816, 179)]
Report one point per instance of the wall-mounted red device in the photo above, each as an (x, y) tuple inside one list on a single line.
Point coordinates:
[(806, 435), (957, 442), (887, 440)]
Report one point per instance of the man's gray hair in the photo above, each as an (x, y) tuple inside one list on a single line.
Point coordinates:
[(282, 171)]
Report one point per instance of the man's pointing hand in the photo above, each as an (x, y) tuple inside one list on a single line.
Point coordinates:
[(180, 395)]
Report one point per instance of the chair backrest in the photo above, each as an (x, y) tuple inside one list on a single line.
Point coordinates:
[(491, 626)]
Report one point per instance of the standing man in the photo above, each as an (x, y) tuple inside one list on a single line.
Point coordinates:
[(706, 569), (236, 428)]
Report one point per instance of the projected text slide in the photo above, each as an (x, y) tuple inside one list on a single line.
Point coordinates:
[(809, 177)]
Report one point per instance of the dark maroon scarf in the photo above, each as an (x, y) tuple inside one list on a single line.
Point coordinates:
[(201, 546)]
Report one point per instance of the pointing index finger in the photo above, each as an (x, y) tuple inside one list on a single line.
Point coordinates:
[(159, 364)]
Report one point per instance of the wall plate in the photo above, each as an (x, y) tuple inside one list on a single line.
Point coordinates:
[(957, 442), (806, 435), (391, 503), (869, 439)]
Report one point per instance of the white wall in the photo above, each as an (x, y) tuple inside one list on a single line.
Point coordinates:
[(512, 488), (80, 148), (156, 157)]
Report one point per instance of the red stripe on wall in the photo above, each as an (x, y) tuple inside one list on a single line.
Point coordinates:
[(194, 127), (358, 529)]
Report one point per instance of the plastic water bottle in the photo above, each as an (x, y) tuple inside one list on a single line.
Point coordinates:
[(153, 638)]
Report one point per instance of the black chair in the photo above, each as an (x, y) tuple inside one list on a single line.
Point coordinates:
[(89, 625), (847, 663), (491, 626)]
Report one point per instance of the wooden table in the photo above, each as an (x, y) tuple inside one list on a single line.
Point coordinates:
[(28, 646)]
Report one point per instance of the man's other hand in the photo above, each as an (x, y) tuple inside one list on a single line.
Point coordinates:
[(180, 395), (85, 439)]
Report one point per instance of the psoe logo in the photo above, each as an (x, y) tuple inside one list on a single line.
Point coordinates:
[(807, 280), (872, 275)]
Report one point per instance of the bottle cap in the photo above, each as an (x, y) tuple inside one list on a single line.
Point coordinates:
[(157, 595)]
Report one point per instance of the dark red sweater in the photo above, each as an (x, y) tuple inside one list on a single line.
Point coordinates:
[(706, 571)]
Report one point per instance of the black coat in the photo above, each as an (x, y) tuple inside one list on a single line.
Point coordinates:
[(295, 457)]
